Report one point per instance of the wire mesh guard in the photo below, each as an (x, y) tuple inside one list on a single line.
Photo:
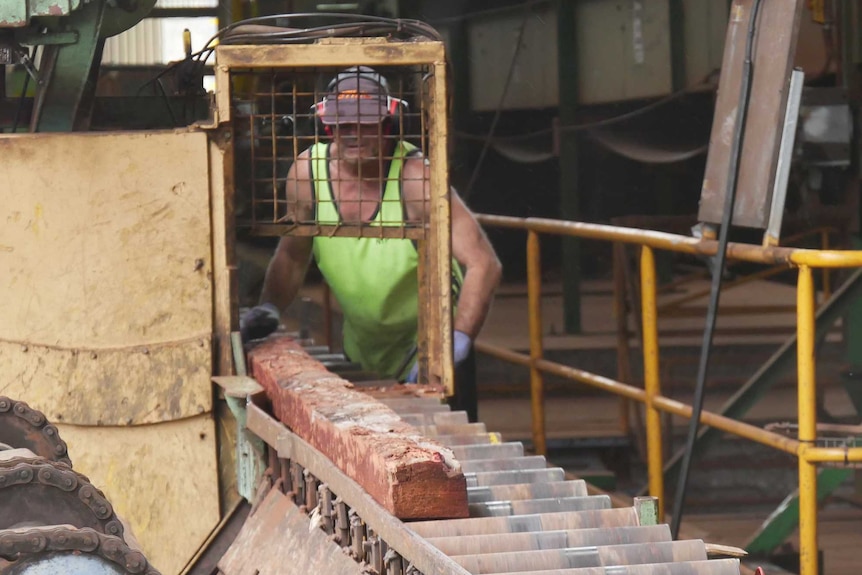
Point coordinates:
[(829, 435), (332, 151)]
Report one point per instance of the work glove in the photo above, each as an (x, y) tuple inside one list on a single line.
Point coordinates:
[(259, 321), (461, 345)]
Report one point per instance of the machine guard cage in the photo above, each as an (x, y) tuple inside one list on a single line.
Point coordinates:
[(265, 100)]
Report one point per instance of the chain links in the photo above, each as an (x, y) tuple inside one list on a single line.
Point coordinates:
[(16, 545)]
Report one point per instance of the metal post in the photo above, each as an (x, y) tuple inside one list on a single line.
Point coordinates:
[(807, 405), (568, 161), (652, 385), (534, 295), (624, 370)]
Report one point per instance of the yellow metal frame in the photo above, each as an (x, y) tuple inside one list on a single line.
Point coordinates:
[(806, 260), (435, 297)]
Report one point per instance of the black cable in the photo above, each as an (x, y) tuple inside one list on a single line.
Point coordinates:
[(490, 136), (23, 95), (717, 268)]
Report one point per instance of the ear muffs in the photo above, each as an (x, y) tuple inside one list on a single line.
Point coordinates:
[(395, 107)]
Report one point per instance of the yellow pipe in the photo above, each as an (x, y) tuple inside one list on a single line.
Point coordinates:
[(827, 283), (652, 385), (678, 243), (807, 421), (666, 404), (830, 454), (534, 295)]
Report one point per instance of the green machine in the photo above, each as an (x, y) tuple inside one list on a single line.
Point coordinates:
[(59, 43)]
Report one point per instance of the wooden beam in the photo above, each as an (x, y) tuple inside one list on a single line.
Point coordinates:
[(412, 476)]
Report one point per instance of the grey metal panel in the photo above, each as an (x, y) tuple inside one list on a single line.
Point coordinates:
[(623, 49), (492, 45)]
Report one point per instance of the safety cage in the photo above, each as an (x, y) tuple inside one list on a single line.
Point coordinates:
[(278, 107)]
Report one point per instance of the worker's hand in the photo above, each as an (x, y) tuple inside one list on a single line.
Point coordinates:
[(461, 346), (413, 376), (259, 321)]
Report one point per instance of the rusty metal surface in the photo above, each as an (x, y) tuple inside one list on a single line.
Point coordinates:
[(276, 540), (44, 492), (774, 50), (24, 427), (27, 548)]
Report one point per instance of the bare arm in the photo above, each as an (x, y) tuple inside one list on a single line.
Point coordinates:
[(286, 271), (470, 247)]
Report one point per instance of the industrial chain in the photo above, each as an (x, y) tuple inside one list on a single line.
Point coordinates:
[(341, 523), (40, 425), (20, 471), (19, 545)]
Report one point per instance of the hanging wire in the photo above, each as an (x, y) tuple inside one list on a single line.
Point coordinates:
[(490, 136)]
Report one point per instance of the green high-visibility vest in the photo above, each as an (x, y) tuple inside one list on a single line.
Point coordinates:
[(373, 279)]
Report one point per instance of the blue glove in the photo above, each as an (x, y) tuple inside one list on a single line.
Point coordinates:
[(461, 345), (259, 322)]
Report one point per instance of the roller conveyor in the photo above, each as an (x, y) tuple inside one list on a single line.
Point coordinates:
[(525, 517)]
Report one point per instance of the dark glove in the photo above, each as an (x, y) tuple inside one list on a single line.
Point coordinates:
[(461, 345), (259, 322)]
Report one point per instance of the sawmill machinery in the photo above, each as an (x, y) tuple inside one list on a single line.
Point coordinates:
[(117, 343)]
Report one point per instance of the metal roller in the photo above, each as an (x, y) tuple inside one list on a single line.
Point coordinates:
[(579, 557), (527, 523), (413, 404), (712, 567), (478, 439), (508, 464), (515, 476), (457, 429), (530, 506), (516, 491), (490, 451), (510, 542), (435, 418)]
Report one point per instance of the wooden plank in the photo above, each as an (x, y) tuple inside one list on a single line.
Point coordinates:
[(411, 476)]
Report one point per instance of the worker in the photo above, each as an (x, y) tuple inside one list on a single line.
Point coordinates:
[(365, 174)]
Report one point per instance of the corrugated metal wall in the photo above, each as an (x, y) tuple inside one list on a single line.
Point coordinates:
[(159, 40)]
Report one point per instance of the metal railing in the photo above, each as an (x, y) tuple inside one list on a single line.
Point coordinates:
[(804, 447)]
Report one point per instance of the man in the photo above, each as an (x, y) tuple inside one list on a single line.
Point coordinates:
[(363, 176)]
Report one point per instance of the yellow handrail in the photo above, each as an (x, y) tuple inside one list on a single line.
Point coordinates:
[(805, 259)]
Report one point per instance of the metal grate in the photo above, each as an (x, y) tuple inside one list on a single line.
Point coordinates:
[(278, 117)]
